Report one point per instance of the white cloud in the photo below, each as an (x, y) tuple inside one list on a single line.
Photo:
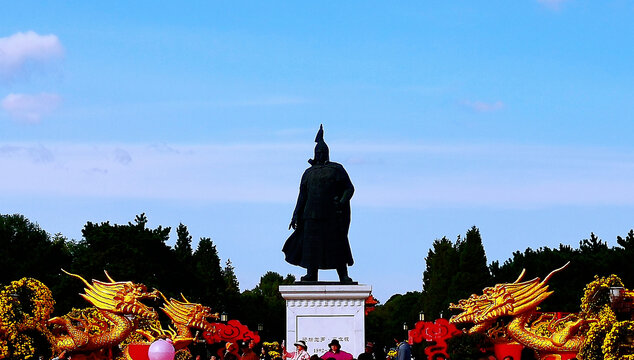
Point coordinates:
[(30, 108), (35, 153), (21, 48), (481, 106), (122, 156), (399, 175)]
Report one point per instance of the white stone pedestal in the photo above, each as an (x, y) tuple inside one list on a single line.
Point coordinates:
[(319, 313)]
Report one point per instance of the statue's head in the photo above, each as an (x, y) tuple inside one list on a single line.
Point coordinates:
[(322, 154)]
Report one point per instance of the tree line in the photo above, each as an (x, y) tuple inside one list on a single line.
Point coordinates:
[(136, 252), (133, 251), (456, 269)]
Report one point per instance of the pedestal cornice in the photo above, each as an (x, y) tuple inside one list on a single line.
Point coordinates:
[(325, 292)]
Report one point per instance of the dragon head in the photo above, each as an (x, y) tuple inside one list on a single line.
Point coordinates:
[(503, 300), (123, 297), (191, 315)]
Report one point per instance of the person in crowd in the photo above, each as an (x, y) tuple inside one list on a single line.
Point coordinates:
[(231, 352), (264, 355), (247, 351), (336, 352), (368, 354), (300, 352), (404, 350)]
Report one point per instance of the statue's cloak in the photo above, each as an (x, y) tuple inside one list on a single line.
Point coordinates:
[(322, 215)]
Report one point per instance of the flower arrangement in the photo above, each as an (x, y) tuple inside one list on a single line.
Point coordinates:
[(606, 337), (616, 338), (273, 349), (597, 293), (25, 306), (593, 344)]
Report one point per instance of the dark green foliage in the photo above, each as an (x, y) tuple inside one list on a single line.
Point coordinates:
[(624, 256), (593, 257), (453, 272), (28, 251), (473, 274), (385, 323), (264, 305), (128, 252), (231, 290), (183, 247), (210, 284), (441, 265), (183, 264), (136, 252)]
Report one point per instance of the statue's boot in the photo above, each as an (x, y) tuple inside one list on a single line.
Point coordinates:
[(311, 275), (343, 274)]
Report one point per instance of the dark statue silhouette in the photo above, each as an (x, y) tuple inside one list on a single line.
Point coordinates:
[(321, 218)]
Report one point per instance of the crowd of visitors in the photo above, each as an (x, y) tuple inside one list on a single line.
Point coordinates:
[(402, 349), (251, 351)]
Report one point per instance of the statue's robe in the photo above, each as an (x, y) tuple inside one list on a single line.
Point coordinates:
[(320, 240)]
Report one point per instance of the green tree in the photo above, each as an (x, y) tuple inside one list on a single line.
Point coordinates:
[(441, 264), (183, 246), (264, 305), (184, 268), (624, 256), (128, 252), (472, 273), (385, 323), (210, 285), (231, 290), (26, 250), (593, 257), (29, 251)]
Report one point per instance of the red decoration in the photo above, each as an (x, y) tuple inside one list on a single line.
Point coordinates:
[(370, 304), (437, 332), (232, 331), (138, 351), (506, 349)]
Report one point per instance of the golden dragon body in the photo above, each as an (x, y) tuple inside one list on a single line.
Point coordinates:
[(546, 333), (118, 305)]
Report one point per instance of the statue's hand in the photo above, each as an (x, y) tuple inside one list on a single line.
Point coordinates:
[(292, 225)]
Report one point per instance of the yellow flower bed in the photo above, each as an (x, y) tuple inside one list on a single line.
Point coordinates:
[(606, 337), (25, 304), (596, 293), (617, 337)]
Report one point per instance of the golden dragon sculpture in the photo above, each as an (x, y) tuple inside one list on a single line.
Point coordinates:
[(186, 317), (119, 306), (518, 301)]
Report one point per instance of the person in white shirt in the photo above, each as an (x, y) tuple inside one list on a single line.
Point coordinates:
[(300, 352)]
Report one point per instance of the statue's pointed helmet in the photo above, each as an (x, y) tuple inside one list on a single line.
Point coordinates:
[(322, 153)]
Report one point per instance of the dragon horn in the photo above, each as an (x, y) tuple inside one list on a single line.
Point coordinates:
[(184, 299), (554, 272), (163, 296), (77, 276), (519, 278), (108, 276)]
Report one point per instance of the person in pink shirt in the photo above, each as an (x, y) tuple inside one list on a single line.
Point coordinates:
[(335, 352)]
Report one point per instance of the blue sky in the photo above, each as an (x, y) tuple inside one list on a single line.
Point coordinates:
[(515, 117)]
